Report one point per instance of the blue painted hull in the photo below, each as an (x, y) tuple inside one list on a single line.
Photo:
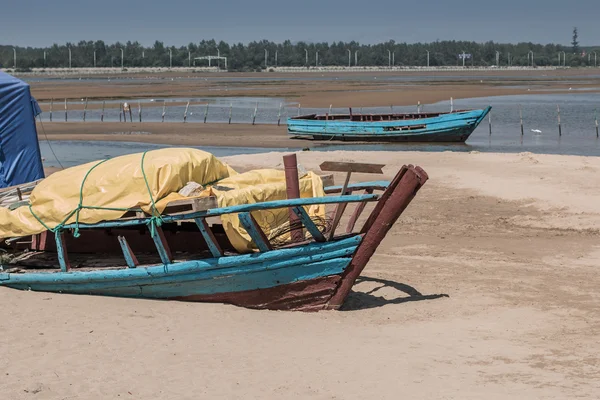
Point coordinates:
[(449, 127), (206, 277)]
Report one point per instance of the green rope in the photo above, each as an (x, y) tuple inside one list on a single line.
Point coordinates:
[(153, 223)]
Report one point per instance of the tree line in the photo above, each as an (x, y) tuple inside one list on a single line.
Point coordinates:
[(251, 56)]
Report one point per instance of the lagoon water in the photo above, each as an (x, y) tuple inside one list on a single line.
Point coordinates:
[(539, 113)]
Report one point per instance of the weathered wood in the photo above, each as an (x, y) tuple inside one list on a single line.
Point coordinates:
[(255, 232), (308, 295), (399, 195), (209, 237), (268, 205), (309, 224), (357, 212), (292, 185), (352, 167), (375, 185), (327, 179), (339, 208), (162, 246), (190, 205), (130, 258), (61, 250)]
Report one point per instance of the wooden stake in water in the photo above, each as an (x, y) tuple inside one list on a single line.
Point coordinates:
[(558, 115), (298, 109), (130, 115), (185, 112), (451, 104), (102, 115), (164, 111), (65, 110), (521, 118), (490, 121), (140, 111), (230, 111), (85, 109), (206, 113), (596, 120), (419, 106), (51, 104), (279, 114), (255, 111)]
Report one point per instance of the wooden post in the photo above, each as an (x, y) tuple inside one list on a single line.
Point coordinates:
[(65, 110), (279, 114), (164, 111), (140, 111), (521, 119), (85, 109), (558, 115), (130, 115), (490, 121), (61, 250), (102, 115), (120, 112), (596, 120), (185, 112), (255, 111), (292, 185), (230, 111), (51, 105), (206, 113)]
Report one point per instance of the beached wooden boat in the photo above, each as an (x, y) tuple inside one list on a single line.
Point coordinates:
[(454, 126), (306, 275)]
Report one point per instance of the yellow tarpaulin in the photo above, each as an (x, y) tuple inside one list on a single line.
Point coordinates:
[(112, 186)]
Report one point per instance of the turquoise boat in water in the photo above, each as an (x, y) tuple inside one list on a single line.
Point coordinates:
[(454, 126)]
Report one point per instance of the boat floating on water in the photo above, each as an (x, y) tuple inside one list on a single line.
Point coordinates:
[(455, 126)]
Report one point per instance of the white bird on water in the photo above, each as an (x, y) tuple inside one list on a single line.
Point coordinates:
[(536, 131)]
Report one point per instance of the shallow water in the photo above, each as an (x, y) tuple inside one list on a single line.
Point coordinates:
[(71, 153)]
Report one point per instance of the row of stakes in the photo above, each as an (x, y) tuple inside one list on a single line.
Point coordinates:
[(125, 109)]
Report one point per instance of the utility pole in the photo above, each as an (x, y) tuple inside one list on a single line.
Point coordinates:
[(170, 58), (393, 58), (356, 58), (69, 58), (276, 58), (94, 58), (427, 58), (306, 62), (463, 57), (122, 61), (266, 55), (317, 59), (44, 58), (349, 57), (14, 58), (497, 58), (389, 59)]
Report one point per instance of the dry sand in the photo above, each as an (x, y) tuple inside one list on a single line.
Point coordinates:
[(487, 288)]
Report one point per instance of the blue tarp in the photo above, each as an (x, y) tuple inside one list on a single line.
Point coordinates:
[(20, 158)]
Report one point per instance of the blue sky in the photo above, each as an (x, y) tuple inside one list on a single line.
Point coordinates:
[(178, 22)]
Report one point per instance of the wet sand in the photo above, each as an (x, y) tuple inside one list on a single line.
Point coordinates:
[(487, 287), (349, 90)]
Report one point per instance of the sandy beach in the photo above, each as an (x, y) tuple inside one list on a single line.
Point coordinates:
[(487, 287)]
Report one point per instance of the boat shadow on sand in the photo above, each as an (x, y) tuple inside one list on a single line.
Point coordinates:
[(368, 299)]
